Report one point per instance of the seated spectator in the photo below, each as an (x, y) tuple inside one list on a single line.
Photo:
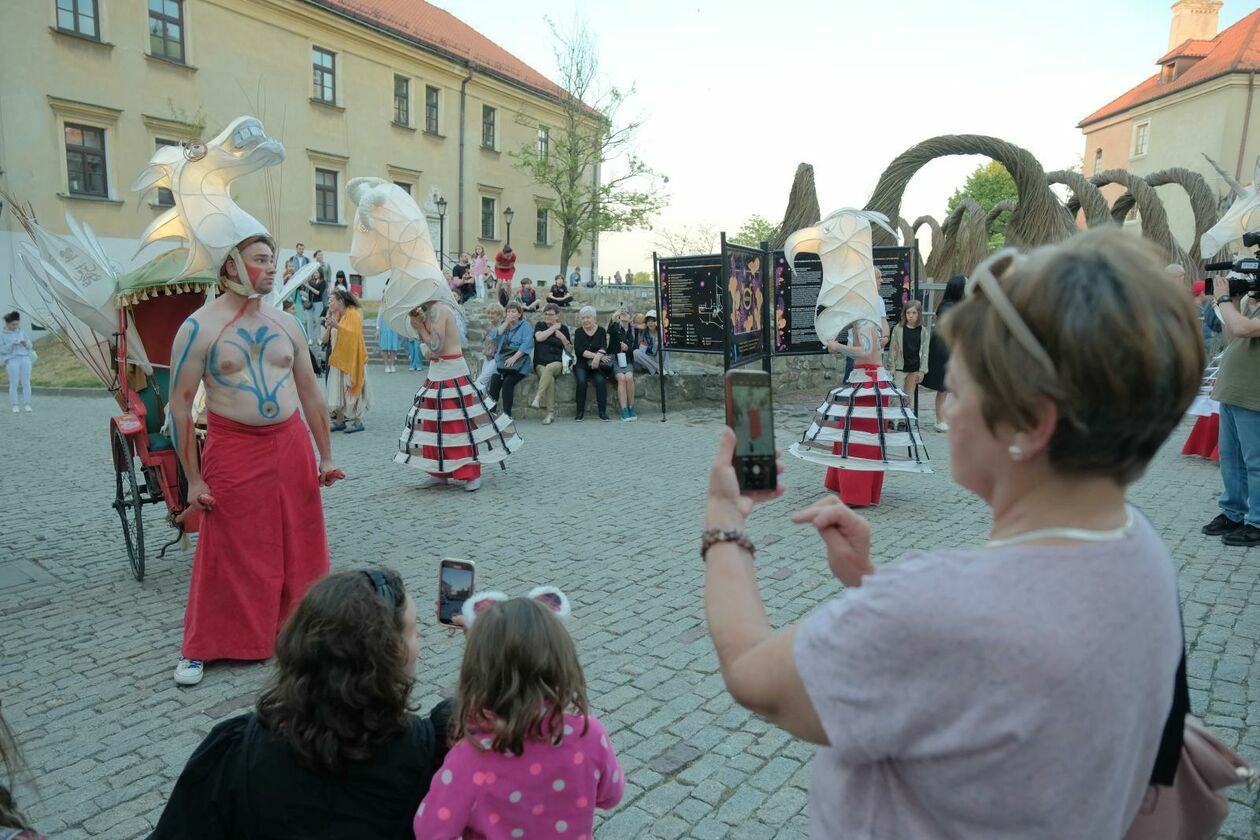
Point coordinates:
[(551, 342), (560, 294), (590, 346), (494, 317), (527, 297), (331, 750), (513, 357), (453, 283), (462, 272), (623, 338), (13, 826), (527, 752), (937, 686), (648, 355)]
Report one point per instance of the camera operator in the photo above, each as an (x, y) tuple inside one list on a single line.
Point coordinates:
[(1238, 391)]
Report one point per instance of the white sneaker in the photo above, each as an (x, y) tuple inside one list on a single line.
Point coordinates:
[(189, 671), (941, 426), (16, 409), (28, 408), (535, 403), (548, 420), (470, 486), (434, 481)]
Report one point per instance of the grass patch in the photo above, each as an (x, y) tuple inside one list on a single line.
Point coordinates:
[(56, 367)]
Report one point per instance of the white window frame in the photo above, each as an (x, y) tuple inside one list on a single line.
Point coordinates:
[(543, 147), (494, 215), (334, 70), (407, 97), (1135, 152), (493, 145), (92, 116), (546, 220), (437, 122)]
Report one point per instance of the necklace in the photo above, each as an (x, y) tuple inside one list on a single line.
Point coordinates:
[(1081, 534)]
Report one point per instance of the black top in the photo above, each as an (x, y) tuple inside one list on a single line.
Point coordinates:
[(938, 354), (244, 783), (460, 269), (319, 285), (911, 346), (618, 334), (558, 293), (583, 342), (546, 352)]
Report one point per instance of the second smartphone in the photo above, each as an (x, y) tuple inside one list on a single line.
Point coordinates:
[(750, 412), (457, 580)]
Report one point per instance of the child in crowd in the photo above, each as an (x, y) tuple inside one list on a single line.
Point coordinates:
[(528, 760), (527, 297)]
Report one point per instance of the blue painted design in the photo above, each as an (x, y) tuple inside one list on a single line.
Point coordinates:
[(255, 374), (179, 368)]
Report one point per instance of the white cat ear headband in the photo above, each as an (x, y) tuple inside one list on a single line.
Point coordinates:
[(548, 596)]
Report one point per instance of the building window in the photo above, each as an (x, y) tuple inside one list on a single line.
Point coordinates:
[(543, 235), (1097, 162), (487, 127), (544, 142), (488, 217), (85, 160), (166, 29), (324, 65), (404, 185), (79, 17), (1141, 138), (325, 195), (164, 196), (402, 100), (431, 109)]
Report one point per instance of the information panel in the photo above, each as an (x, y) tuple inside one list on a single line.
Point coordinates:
[(795, 298), (745, 281), (896, 268), (692, 304)]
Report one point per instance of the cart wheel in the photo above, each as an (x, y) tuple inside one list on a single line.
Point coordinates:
[(127, 502)]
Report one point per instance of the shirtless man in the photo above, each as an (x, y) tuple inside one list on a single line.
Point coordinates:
[(452, 443), (261, 542)]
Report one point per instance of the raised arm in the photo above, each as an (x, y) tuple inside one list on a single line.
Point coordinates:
[(189, 355), (314, 409)]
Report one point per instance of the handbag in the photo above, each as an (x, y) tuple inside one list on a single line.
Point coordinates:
[(1189, 794), (566, 362)]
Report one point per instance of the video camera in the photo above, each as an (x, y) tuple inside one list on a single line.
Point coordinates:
[(1248, 267)]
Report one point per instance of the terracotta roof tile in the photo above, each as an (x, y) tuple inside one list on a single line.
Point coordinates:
[(1235, 50), (437, 29), (1193, 48)]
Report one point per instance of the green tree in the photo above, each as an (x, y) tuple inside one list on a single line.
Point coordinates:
[(987, 185), (589, 161), (755, 230)]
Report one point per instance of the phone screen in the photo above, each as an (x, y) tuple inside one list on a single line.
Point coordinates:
[(455, 586), (752, 420)]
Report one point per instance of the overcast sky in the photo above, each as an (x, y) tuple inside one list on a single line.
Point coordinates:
[(736, 94)]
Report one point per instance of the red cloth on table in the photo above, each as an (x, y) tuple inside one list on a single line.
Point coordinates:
[(1205, 438), (468, 472), (860, 488), (263, 544)]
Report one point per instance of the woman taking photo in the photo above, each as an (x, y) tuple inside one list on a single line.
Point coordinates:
[(938, 353), (964, 692), (908, 351), (590, 345), (345, 382), (330, 750)]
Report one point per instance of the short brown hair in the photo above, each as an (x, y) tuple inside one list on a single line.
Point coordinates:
[(340, 689), (512, 304), (519, 678), (241, 246), (1126, 347), (552, 307)]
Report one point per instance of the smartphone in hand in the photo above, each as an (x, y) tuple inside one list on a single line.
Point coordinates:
[(456, 584), (750, 413)]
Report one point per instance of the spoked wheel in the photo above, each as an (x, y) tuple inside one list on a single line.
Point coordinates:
[(127, 502)]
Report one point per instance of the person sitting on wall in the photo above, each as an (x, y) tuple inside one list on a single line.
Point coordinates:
[(560, 294), (527, 297)]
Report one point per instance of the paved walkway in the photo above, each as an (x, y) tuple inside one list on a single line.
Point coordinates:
[(609, 512)]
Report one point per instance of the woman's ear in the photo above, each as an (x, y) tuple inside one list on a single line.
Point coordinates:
[(1036, 439)]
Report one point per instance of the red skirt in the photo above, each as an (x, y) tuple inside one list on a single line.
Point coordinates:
[(263, 544), (1205, 438), (859, 488)]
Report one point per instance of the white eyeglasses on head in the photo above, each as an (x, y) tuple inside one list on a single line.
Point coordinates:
[(984, 280)]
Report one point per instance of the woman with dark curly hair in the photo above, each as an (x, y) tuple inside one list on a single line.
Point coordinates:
[(331, 749)]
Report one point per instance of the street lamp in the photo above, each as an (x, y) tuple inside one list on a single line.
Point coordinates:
[(508, 214), (441, 206)]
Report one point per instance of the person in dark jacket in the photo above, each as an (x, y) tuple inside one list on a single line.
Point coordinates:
[(590, 345), (938, 353), (331, 750), (623, 340), (551, 344)]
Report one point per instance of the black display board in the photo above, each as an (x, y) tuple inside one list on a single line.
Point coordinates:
[(744, 294), (692, 304), (896, 286), (795, 298)]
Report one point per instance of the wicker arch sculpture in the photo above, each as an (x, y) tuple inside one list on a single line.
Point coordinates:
[(966, 238), (1154, 216), (802, 207), (1202, 202), (932, 266), (1006, 205), (1039, 218), (1085, 196)]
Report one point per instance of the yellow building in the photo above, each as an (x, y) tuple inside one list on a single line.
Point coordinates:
[(1202, 100), (397, 89)]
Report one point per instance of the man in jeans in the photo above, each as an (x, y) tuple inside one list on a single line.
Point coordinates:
[(1238, 391), (317, 292)]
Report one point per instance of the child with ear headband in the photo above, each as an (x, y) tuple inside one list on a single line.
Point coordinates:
[(529, 760)]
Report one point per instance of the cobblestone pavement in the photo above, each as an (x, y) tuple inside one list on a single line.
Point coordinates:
[(609, 512)]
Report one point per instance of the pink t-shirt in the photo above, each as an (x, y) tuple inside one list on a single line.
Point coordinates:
[(547, 792)]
